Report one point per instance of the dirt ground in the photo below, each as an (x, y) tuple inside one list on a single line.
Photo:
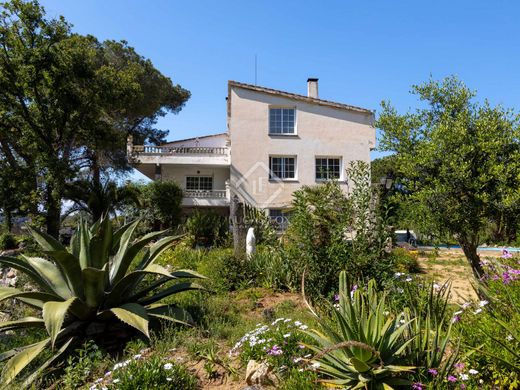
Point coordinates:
[(451, 265)]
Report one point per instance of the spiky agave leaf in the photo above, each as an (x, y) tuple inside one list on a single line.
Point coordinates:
[(363, 344), (90, 282)]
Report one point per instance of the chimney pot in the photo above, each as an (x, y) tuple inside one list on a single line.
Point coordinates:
[(312, 88)]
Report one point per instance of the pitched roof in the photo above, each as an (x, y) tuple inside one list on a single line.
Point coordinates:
[(295, 96), (194, 138)]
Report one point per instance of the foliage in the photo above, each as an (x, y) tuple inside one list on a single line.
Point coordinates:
[(98, 199), (8, 241), (79, 367), (102, 287), (363, 348), (227, 271), (298, 379), (405, 261), (490, 327), (460, 160), (269, 267), (279, 343), (159, 204), (151, 373), (69, 101), (329, 232), (207, 228), (265, 233)]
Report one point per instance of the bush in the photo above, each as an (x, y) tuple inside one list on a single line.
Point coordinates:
[(8, 241), (228, 273), (151, 373), (207, 229), (158, 205), (270, 268), (491, 325), (79, 367), (164, 199), (279, 343), (405, 261), (330, 232)]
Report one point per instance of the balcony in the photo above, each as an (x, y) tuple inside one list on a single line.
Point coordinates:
[(210, 156), (213, 198)]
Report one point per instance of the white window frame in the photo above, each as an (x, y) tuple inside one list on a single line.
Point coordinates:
[(273, 177), (340, 178), (295, 128), (199, 176)]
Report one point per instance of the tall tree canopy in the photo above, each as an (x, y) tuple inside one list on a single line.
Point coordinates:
[(461, 159), (68, 102)]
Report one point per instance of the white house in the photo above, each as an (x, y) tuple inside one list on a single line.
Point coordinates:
[(276, 142)]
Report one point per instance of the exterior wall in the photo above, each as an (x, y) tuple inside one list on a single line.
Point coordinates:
[(320, 131), (215, 141), (178, 174)]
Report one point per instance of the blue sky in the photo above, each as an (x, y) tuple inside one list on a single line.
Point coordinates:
[(362, 52)]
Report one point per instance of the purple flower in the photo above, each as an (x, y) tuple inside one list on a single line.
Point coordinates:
[(432, 371), (460, 366), (506, 254), (418, 386), (275, 351), (455, 319), (451, 378), (336, 298)]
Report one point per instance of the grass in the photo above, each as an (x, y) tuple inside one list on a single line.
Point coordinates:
[(223, 314)]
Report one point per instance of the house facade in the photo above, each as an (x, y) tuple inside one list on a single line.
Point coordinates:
[(276, 142)]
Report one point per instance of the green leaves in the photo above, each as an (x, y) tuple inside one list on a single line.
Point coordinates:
[(19, 361), (134, 315), (90, 282), (54, 314), (361, 347), (460, 161)]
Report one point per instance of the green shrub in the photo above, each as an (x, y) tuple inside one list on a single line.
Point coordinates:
[(298, 379), (329, 232), (151, 373), (491, 325), (280, 343), (207, 228), (164, 199), (79, 367), (228, 272), (270, 268), (405, 260), (157, 204), (8, 241)]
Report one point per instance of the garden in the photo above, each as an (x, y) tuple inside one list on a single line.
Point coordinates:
[(109, 284), (121, 307)]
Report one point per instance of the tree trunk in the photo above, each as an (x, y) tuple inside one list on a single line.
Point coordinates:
[(8, 219), (470, 251), (98, 207), (52, 218)]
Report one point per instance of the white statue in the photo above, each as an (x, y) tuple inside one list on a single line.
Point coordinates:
[(250, 243)]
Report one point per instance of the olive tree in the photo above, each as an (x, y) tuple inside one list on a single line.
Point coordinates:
[(461, 158)]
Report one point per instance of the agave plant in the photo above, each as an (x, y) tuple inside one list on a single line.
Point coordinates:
[(361, 349), (104, 285)]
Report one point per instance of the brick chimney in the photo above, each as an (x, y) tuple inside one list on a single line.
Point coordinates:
[(312, 88)]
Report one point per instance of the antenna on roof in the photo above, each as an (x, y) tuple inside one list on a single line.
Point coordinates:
[(255, 71)]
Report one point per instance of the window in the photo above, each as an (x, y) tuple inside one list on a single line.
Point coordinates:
[(199, 183), (281, 120), (328, 168), (282, 168), (279, 218)]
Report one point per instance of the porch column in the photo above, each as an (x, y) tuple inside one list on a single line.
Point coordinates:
[(158, 171)]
